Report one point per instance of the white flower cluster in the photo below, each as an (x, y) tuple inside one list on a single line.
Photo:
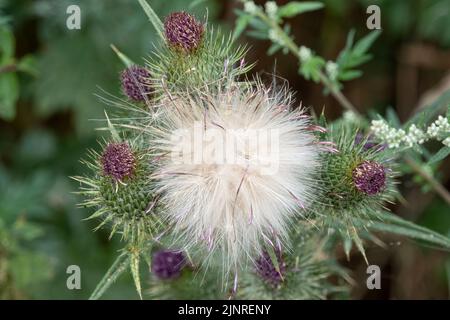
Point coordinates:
[(275, 37), (305, 54), (250, 7), (440, 130), (446, 141), (441, 127), (271, 9), (332, 70)]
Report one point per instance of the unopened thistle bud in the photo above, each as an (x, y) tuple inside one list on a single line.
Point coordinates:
[(120, 191), (135, 83), (183, 31), (369, 177), (267, 271), (118, 161), (168, 264)]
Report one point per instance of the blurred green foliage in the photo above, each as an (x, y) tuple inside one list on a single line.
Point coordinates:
[(46, 101)]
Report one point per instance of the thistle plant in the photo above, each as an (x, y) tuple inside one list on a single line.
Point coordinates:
[(193, 56), (259, 220)]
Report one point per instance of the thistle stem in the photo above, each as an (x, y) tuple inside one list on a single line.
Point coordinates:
[(116, 269), (436, 185), (295, 50)]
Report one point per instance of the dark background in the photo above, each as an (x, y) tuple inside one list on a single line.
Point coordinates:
[(41, 232)]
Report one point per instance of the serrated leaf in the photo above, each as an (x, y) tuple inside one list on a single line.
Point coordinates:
[(440, 155), (294, 8)]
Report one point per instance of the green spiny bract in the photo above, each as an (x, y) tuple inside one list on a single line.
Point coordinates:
[(121, 192), (305, 274), (355, 182), (214, 59)]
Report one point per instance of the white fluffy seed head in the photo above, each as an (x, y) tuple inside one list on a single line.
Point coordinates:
[(235, 169)]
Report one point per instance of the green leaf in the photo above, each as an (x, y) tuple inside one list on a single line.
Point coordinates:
[(294, 8), (273, 49), (9, 93), (28, 65), (364, 44), (134, 266), (431, 111), (348, 243), (273, 257), (6, 45), (241, 23), (125, 60), (350, 75), (196, 3), (354, 55), (154, 19), (440, 155), (311, 68), (392, 118), (117, 268), (396, 225)]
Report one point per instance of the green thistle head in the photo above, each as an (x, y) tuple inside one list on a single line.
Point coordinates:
[(120, 190), (193, 57), (356, 181), (301, 274), (354, 176)]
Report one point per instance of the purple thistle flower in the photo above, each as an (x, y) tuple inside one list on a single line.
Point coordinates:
[(118, 160), (135, 82), (183, 31), (267, 271), (369, 177), (167, 264)]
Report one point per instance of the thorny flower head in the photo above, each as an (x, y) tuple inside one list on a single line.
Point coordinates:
[(135, 83), (118, 160), (369, 177), (183, 31), (267, 271), (168, 264)]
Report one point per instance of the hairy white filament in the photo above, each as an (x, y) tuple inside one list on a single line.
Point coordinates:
[(236, 202)]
